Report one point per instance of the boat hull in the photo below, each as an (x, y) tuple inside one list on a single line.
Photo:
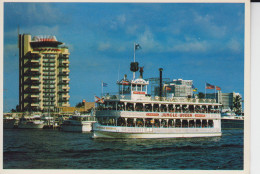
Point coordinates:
[(80, 127), (137, 132), (9, 124), (232, 123), (30, 125)]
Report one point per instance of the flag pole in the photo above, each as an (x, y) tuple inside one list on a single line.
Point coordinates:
[(134, 61), (102, 88), (215, 94), (205, 91)]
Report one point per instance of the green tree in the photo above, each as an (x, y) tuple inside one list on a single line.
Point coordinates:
[(237, 107), (201, 95), (80, 104)]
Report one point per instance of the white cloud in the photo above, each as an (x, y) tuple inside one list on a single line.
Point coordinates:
[(131, 29), (103, 46), (121, 19), (191, 46), (43, 12), (118, 21), (207, 23), (147, 39), (234, 45)]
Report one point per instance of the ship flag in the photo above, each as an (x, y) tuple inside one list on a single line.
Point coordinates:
[(137, 47), (104, 84), (218, 88), (194, 89), (168, 88), (209, 86), (99, 100)]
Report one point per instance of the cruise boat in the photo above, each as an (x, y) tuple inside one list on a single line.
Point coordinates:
[(78, 123), (31, 122), (133, 113)]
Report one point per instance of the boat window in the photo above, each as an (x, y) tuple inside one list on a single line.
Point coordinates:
[(139, 87)]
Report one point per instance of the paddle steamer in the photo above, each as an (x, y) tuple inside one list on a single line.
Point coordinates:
[(135, 114)]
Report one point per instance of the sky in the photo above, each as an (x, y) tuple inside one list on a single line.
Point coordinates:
[(203, 42)]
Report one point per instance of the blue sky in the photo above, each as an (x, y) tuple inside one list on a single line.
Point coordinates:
[(203, 42)]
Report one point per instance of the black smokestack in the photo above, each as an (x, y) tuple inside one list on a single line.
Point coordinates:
[(160, 89)]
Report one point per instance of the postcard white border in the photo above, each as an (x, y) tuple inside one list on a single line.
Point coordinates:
[(246, 94)]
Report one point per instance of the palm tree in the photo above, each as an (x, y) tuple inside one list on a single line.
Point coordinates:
[(237, 107)]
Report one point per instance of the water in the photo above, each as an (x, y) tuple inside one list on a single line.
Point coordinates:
[(53, 149)]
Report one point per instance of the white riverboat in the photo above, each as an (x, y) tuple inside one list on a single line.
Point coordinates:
[(135, 114), (78, 123), (31, 122)]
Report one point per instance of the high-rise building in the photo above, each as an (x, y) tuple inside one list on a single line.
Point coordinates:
[(226, 99), (179, 88), (43, 73)]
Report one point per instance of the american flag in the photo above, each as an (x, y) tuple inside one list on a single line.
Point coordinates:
[(209, 86)]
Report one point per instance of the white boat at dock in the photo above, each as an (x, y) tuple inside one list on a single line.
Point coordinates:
[(31, 122), (78, 123), (9, 122), (231, 116)]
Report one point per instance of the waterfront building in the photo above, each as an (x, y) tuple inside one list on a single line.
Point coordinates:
[(43, 73), (226, 99), (179, 88)]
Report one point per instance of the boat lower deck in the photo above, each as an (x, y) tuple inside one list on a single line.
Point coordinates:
[(142, 132)]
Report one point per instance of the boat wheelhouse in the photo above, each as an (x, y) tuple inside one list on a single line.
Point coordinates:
[(135, 114)]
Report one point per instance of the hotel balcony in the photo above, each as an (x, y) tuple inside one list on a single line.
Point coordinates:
[(49, 82), (48, 73), (63, 65), (49, 78), (35, 104), (35, 87), (32, 82), (66, 70), (63, 82), (65, 61), (35, 78), (48, 69), (49, 100), (63, 57), (49, 61), (35, 96), (48, 87), (35, 69), (66, 87), (48, 96), (32, 72), (65, 96), (63, 91), (65, 78), (48, 65), (66, 105), (34, 55), (63, 74), (63, 99), (32, 63), (47, 91), (31, 91)]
